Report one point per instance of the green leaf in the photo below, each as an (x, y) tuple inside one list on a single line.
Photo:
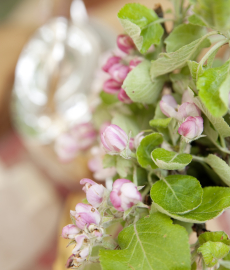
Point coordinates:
[(152, 243), (169, 160), (160, 123), (109, 161), (216, 14), (213, 251), (168, 62), (146, 147), (214, 86), (127, 123), (177, 193), (219, 236), (141, 25), (194, 19), (183, 35), (220, 167), (186, 225), (140, 87), (218, 122), (213, 135), (193, 65), (215, 201)]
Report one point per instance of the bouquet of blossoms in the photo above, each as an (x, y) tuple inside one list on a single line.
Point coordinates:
[(161, 137)]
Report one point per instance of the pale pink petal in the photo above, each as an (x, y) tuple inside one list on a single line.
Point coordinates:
[(95, 195), (87, 180), (200, 125), (188, 109), (70, 231), (168, 105), (186, 97), (188, 129), (80, 240)]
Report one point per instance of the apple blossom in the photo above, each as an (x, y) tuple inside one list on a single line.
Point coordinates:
[(111, 86), (124, 194), (118, 72), (110, 62), (80, 240), (125, 44), (123, 97), (94, 192), (70, 231), (114, 139), (80, 137), (82, 255), (191, 128), (168, 106), (188, 109), (85, 215)]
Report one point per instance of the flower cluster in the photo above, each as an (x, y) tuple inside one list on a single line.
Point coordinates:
[(88, 228), (80, 137), (118, 68), (187, 114)]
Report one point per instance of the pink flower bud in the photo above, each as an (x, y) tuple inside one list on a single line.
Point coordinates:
[(80, 239), (94, 192), (119, 72), (114, 139), (70, 231), (110, 62), (168, 106), (188, 109), (123, 97), (85, 215), (191, 128), (125, 44), (134, 62), (111, 86), (80, 137), (124, 194)]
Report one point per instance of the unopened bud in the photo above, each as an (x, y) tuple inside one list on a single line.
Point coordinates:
[(125, 44), (114, 139), (191, 128)]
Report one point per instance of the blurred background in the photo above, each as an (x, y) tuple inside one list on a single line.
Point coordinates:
[(36, 190)]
